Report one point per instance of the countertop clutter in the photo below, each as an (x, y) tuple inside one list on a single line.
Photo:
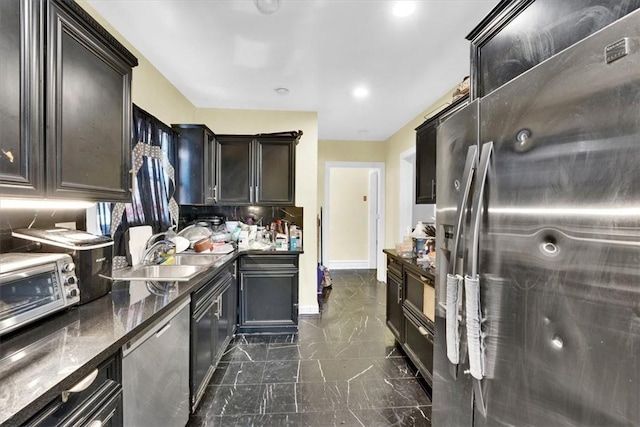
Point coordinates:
[(41, 360), (412, 263)]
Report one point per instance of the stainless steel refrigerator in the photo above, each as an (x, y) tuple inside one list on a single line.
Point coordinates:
[(538, 216)]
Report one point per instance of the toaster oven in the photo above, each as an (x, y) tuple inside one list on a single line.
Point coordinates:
[(34, 285)]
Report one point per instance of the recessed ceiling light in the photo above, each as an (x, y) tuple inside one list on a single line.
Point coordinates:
[(267, 7), (404, 8), (361, 92), (282, 91)]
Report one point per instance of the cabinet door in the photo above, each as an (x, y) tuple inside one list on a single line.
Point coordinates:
[(419, 346), (202, 345), (195, 165), (268, 298), (222, 335), (234, 175), (426, 163), (275, 163), (88, 112), (394, 306), (21, 146)]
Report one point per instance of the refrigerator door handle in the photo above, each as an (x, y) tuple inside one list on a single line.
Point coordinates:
[(477, 202), (475, 341), (454, 280)]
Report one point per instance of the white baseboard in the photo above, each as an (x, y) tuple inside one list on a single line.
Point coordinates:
[(349, 265), (308, 309)]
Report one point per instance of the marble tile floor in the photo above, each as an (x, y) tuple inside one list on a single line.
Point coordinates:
[(342, 368)]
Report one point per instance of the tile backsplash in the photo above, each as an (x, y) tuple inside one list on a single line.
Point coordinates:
[(261, 215)]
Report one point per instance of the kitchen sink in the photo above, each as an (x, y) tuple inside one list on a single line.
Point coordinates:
[(193, 259), (160, 273)]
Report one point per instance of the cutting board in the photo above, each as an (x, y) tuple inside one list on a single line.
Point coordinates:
[(137, 238)]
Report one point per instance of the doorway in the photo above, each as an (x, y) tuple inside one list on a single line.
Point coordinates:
[(353, 216)]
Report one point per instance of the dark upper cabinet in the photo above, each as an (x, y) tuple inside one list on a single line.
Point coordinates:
[(256, 169), (276, 168), (426, 145), (195, 165), (74, 80), (235, 170), (21, 101), (426, 162), (519, 34), (88, 108)]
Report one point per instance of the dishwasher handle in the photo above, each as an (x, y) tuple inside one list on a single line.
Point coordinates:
[(157, 329)]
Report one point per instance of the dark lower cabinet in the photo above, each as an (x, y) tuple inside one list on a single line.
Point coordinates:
[(213, 322), (395, 318), (410, 311), (99, 403), (268, 293), (418, 344)]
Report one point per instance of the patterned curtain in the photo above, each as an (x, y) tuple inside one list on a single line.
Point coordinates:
[(153, 186)]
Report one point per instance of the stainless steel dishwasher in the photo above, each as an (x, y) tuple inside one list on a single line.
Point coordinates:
[(155, 372)]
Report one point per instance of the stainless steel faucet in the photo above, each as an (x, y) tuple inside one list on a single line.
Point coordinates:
[(157, 251)]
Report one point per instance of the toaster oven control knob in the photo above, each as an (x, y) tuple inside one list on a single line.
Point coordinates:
[(71, 280), (68, 268), (72, 293)]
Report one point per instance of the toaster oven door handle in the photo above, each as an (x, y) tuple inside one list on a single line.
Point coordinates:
[(81, 386)]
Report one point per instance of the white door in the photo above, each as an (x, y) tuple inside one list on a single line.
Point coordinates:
[(374, 217)]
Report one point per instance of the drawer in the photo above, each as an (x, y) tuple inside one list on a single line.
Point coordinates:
[(394, 266), (420, 294), (273, 262), (418, 344)]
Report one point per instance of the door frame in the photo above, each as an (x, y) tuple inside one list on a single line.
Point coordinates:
[(407, 190), (380, 168)]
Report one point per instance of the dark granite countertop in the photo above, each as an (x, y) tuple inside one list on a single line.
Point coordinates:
[(419, 267), (41, 360)]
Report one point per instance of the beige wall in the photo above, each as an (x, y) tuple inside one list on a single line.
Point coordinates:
[(346, 151), (348, 235), (402, 140), (154, 93)]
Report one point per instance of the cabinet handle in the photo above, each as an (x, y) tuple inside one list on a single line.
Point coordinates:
[(433, 188), (219, 307), (131, 181), (82, 385), (215, 194), (255, 195), (399, 293), (423, 331), (163, 329), (251, 192)]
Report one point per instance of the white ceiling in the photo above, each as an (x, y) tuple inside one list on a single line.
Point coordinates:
[(225, 54)]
